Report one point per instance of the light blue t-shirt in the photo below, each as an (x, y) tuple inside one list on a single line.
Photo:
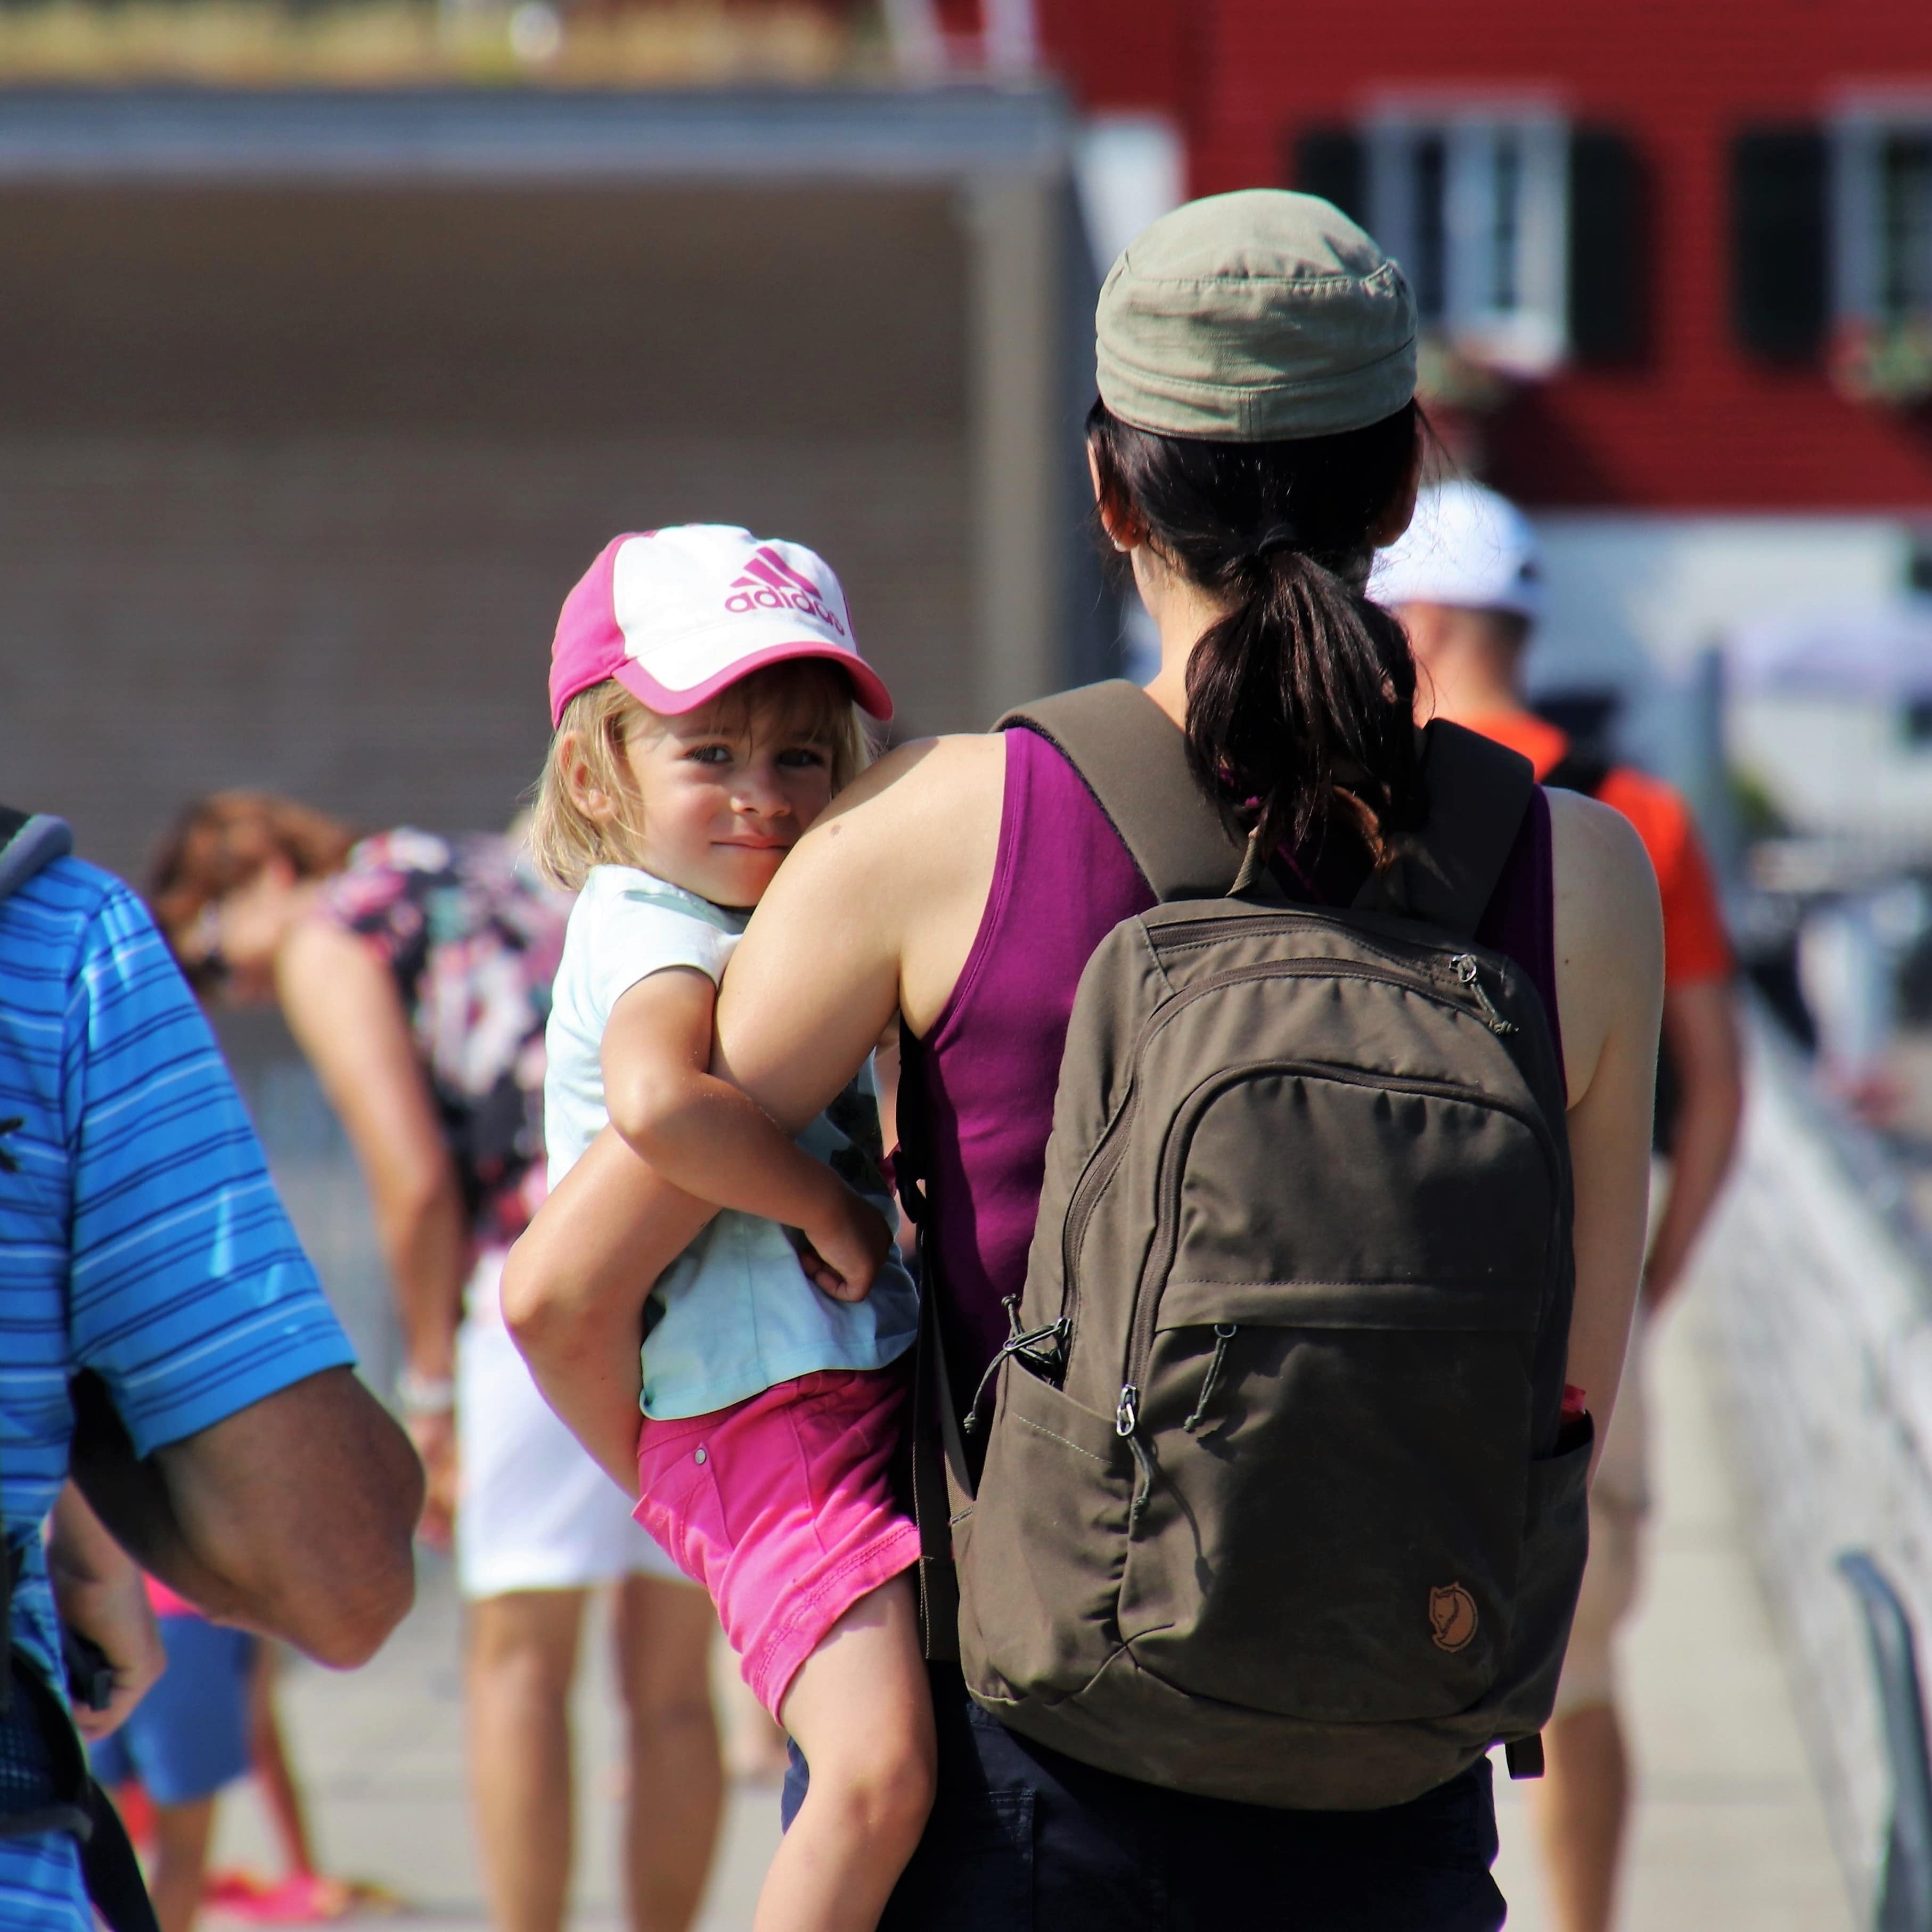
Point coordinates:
[(140, 1237), (734, 1314)]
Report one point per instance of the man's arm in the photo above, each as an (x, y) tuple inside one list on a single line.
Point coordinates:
[(293, 1516), (100, 1592), (218, 1434), (1700, 1028)]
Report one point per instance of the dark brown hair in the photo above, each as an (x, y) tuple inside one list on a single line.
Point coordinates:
[(220, 842), (1301, 700)]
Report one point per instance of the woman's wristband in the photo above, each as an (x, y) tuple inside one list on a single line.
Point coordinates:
[(425, 1395)]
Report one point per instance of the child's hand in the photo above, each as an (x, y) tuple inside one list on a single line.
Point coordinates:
[(844, 1250)]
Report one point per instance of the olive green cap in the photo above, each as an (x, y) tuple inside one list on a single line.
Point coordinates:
[(1261, 316)]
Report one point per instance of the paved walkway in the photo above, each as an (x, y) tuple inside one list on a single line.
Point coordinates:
[(1728, 1834), (1728, 1838)]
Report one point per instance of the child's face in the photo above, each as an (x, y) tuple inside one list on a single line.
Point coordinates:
[(726, 792)]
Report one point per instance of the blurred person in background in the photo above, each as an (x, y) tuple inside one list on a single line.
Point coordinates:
[(185, 1742), (1467, 581), (211, 1721), (415, 973), (168, 1347)]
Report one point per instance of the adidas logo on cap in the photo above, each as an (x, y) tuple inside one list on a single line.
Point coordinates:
[(770, 584)]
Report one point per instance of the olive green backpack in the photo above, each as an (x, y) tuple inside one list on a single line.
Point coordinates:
[(1270, 1497)]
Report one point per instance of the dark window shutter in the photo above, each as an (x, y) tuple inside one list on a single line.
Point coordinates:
[(1780, 246), (1609, 248), (1332, 162)]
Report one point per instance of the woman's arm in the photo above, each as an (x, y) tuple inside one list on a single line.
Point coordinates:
[(575, 1285), (342, 1006), (1610, 965)]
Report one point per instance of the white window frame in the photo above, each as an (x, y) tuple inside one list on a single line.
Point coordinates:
[(1859, 132), (1531, 337)]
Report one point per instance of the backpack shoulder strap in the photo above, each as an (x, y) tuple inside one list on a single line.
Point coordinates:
[(1132, 757), (27, 841), (1478, 792)]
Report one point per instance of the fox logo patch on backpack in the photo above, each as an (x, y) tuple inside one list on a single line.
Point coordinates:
[(1452, 1616), (1270, 1508)]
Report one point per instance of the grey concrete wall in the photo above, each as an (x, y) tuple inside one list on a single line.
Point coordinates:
[(291, 482)]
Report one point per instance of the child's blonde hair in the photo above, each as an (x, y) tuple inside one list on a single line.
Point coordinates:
[(565, 842)]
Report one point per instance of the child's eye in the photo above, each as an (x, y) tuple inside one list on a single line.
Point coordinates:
[(709, 755), (802, 758)]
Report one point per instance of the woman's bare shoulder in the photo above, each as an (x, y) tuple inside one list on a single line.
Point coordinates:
[(877, 906), (927, 773), (920, 804), (1601, 868), (1609, 929)]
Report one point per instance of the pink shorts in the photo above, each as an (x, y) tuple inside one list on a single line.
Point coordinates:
[(781, 1507)]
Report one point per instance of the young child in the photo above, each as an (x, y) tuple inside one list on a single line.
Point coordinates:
[(703, 686)]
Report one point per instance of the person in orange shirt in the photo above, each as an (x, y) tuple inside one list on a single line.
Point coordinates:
[(1467, 579)]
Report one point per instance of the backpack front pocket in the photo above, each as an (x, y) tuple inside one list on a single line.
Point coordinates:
[(1368, 1578), (1335, 1454)]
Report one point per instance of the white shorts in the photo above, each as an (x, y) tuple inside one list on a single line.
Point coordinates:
[(534, 1512)]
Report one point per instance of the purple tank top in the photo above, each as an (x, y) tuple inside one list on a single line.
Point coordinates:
[(976, 1093)]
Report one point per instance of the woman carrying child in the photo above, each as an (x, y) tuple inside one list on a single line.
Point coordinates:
[(1255, 441)]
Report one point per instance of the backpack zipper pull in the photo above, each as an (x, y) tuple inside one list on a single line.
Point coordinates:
[(1470, 974), (1224, 1332), (1041, 1347), (1126, 1423)]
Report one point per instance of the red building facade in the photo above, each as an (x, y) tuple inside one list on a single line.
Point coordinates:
[(1695, 239)]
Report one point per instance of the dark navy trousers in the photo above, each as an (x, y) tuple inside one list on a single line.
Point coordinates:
[(1022, 1836)]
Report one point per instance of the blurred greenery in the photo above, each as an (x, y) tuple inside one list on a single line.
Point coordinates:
[(377, 43), (1758, 816)]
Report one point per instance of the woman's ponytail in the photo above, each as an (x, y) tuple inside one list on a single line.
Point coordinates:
[(1300, 699)]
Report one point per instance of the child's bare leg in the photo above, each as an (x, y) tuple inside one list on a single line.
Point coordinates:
[(180, 1861), (861, 1709), (269, 1759)]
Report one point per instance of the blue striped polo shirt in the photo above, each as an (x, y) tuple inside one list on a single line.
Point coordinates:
[(140, 1237)]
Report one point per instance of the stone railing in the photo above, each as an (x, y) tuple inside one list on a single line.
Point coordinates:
[(1816, 1295)]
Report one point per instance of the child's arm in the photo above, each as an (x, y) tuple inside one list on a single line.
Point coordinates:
[(705, 1136)]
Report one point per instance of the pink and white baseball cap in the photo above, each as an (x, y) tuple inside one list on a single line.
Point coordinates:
[(676, 616)]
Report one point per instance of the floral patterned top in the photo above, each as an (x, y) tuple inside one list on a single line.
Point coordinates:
[(473, 937)]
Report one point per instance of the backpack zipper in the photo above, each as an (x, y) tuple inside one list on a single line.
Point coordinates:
[(1306, 915), (1468, 973), (1107, 1157), (1160, 1257)]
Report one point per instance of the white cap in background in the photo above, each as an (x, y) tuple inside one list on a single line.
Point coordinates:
[(1467, 546)]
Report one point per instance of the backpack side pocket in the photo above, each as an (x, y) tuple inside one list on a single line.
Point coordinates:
[(1039, 1580)]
